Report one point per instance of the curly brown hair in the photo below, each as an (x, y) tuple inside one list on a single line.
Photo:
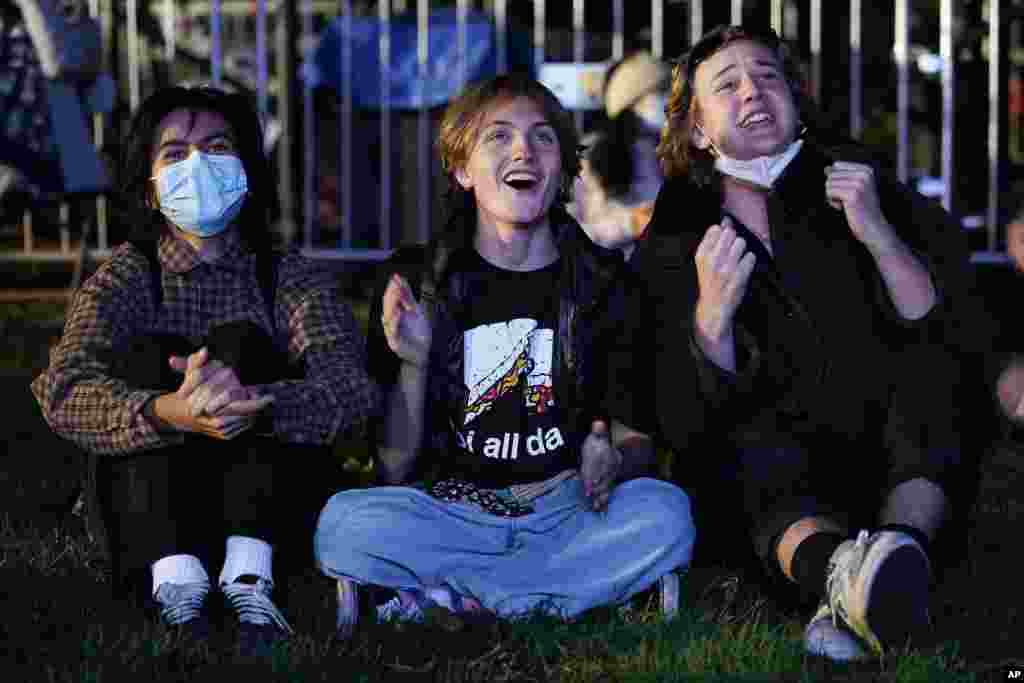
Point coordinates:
[(676, 152), (460, 128)]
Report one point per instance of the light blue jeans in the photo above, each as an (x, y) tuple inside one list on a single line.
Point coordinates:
[(561, 559)]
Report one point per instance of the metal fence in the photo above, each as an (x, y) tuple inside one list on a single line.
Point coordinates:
[(279, 36)]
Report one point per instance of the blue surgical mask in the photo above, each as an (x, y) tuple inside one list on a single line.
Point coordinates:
[(203, 193)]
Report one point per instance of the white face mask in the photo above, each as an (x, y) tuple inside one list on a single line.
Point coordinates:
[(203, 193), (762, 171)]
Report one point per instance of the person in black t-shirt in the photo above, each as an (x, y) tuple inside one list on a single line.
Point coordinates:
[(488, 342)]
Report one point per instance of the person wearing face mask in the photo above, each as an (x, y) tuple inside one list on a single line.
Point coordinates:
[(802, 323), (198, 366), (508, 489), (620, 176)]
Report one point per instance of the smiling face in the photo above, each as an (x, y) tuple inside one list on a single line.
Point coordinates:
[(744, 106), (514, 169)]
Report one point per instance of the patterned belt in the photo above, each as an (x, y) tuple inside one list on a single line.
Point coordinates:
[(512, 501)]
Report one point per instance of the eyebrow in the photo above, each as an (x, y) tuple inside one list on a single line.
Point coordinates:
[(174, 142), (501, 122), (757, 62)]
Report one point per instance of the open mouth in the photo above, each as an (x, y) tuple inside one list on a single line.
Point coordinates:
[(755, 119), (519, 180)]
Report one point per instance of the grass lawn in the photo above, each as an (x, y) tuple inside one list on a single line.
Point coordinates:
[(60, 624)]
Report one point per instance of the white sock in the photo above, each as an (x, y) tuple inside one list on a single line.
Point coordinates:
[(179, 569), (246, 555)]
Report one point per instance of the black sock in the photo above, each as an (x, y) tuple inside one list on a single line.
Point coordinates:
[(912, 531), (810, 561)]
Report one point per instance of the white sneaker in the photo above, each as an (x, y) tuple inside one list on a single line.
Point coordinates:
[(397, 611), (181, 603), (825, 637), (852, 574)]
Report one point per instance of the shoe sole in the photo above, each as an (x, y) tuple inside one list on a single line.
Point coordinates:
[(897, 606)]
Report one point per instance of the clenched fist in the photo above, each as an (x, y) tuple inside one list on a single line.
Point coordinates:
[(724, 266)]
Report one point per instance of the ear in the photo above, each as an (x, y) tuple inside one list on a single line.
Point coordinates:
[(699, 139), (463, 178)]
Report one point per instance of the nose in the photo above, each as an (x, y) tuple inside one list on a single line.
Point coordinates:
[(522, 148), (749, 88)]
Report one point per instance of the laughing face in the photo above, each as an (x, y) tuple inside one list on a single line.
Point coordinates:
[(745, 107), (514, 170)]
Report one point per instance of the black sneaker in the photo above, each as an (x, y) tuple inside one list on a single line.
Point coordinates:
[(260, 622)]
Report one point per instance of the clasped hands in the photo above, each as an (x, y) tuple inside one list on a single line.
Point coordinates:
[(211, 400)]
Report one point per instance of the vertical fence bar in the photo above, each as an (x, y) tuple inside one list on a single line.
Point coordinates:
[(261, 58), (134, 94), (578, 27), (98, 122), (309, 155), (287, 27), (657, 28), (946, 16), (170, 36), (345, 126), (696, 20), (28, 239), (994, 115), (901, 48), (384, 15), (215, 48), (856, 71), (539, 32), (618, 30), (778, 11), (736, 16), (461, 19), (64, 217), (501, 33), (816, 16), (423, 130)]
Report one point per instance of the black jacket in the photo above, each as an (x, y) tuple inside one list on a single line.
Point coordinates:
[(820, 347), (591, 309)]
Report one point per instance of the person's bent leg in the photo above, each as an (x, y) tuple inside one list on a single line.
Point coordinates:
[(565, 558), (137, 497), (404, 539)]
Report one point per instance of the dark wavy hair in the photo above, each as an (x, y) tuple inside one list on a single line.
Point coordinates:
[(137, 191), (676, 151), (460, 128)]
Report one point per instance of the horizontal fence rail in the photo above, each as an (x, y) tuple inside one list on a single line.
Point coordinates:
[(318, 132)]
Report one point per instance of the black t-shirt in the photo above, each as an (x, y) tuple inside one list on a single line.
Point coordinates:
[(511, 429)]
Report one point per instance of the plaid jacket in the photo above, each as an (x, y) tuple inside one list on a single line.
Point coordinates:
[(82, 402)]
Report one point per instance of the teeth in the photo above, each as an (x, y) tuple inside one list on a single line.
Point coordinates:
[(756, 118)]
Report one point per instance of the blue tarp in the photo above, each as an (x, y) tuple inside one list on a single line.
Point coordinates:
[(407, 88)]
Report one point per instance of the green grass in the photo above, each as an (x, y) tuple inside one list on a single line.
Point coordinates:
[(60, 623)]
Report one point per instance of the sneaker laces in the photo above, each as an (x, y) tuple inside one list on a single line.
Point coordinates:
[(181, 602), (252, 603), (838, 574)]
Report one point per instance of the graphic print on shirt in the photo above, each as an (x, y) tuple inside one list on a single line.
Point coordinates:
[(509, 410)]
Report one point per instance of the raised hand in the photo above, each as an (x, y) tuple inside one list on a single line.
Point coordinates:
[(406, 326), (600, 465), (724, 266), (852, 189)]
